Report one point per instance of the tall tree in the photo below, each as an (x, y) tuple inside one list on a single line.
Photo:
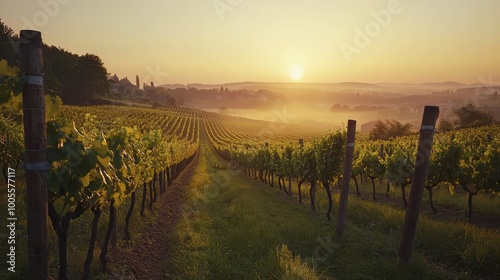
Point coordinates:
[(60, 72), (7, 44), (92, 80)]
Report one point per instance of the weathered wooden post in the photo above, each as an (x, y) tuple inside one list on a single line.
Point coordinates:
[(35, 159), (429, 118), (344, 192)]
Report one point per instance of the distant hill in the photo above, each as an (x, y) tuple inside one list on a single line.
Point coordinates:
[(444, 85), (279, 85), (249, 85)]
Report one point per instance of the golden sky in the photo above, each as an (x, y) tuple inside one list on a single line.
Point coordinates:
[(207, 41)]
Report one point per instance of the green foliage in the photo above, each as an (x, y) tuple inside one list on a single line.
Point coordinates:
[(12, 137), (11, 142), (92, 76), (488, 173), (74, 78), (92, 166), (330, 152), (286, 161), (7, 51), (60, 74), (370, 161), (318, 160), (399, 165), (53, 106), (443, 162), (304, 160), (11, 82)]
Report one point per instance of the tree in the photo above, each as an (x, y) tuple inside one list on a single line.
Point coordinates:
[(171, 101), (74, 78), (92, 79), (471, 116), (7, 51), (388, 129), (445, 125), (339, 108), (137, 81), (60, 72), (156, 105)]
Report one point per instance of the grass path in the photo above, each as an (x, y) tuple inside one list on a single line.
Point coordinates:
[(229, 226), (231, 230)]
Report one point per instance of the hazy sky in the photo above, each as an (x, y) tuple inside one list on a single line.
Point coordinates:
[(207, 41)]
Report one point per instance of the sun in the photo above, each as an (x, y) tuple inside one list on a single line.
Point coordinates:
[(296, 72)]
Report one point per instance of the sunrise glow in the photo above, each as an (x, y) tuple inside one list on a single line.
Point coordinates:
[(373, 41), (296, 72)]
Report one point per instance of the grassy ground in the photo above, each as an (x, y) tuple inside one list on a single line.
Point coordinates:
[(483, 202), (230, 230), (237, 228)]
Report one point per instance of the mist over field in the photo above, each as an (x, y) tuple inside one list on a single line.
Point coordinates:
[(326, 106)]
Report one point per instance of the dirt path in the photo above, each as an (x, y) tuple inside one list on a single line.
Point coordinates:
[(147, 257)]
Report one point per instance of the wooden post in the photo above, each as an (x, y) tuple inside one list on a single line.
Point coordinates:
[(35, 142), (429, 118), (344, 192), (301, 142)]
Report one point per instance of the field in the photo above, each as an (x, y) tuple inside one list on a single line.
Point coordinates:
[(201, 195)]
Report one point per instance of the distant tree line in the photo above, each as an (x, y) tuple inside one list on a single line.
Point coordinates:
[(387, 129), (337, 107), (191, 92), (74, 78), (467, 116)]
